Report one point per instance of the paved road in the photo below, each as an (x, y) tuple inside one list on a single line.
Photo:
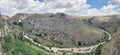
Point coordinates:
[(74, 49)]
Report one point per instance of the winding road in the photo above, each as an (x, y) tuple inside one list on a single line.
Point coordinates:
[(74, 49)]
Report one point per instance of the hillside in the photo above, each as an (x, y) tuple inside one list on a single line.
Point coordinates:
[(58, 30), (110, 23), (12, 44), (63, 29), (112, 47)]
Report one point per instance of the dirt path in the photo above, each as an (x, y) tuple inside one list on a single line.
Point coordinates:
[(74, 49)]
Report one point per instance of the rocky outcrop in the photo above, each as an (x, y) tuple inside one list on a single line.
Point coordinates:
[(20, 16), (110, 23), (4, 17), (116, 46), (63, 28)]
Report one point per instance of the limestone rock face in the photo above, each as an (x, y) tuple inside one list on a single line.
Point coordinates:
[(5, 17), (64, 28), (116, 46)]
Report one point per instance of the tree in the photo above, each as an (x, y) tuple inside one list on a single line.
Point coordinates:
[(20, 24), (14, 23), (79, 43), (36, 40)]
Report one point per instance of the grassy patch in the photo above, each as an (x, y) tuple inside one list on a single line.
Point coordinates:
[(21, 47), (1, 23)]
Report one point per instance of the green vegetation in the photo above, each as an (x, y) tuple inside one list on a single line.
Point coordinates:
[(98, 50), (27, 28), (24, 49), (105, 38), (15, 46), (58, 30), (1, 23), (50, 43), (18, 23), (8, 45)]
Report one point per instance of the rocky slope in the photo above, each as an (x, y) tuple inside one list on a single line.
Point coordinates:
[(110, 23), (63, 28)]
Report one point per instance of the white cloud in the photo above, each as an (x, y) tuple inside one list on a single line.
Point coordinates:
[(73, 7), (117, 2), (110, 9)]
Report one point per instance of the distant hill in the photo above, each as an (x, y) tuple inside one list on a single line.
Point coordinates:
[(110, 23)]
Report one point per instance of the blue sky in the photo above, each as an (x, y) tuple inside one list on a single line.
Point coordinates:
[(94, 3), (71, 7), (97, 3)]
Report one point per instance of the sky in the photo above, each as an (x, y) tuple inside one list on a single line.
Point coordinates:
[(97, 3), (71, 7)]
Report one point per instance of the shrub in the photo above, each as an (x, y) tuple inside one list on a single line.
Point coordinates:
[(1, 23), (7, 47), (98, 50)]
